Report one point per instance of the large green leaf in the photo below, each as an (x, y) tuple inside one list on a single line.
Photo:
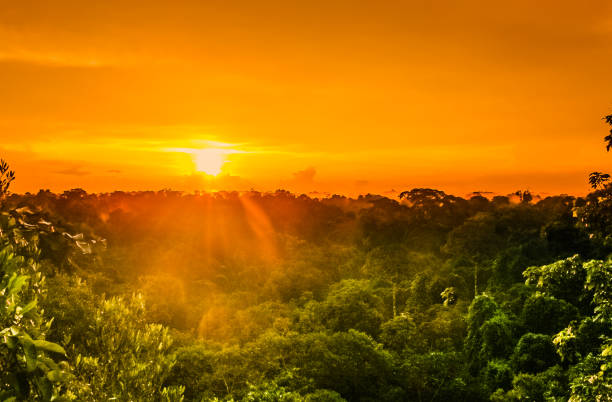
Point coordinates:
[(30, 354), (49, 346), (16, 283), (28, 307)]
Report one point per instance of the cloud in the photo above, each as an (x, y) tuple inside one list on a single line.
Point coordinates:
[(305, 176), (73, 171)]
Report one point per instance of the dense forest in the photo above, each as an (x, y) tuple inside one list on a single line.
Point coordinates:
[(166, 296)]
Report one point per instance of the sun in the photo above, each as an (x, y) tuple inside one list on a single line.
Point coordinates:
[(210, 160)]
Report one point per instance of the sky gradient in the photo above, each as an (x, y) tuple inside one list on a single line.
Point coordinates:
[(319, 96)]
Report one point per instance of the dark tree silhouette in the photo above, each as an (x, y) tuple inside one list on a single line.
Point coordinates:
[(420, 197), (524, 195), (608, 137), (6, 177), (597, 179)]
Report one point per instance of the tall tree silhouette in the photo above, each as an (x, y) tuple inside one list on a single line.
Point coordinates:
[(597, 179), (6, 177), (524, 195), (608, 137)]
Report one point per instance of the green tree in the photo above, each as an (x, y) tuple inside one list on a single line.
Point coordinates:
[(546, 314), (563, 279), (497, 374), (549, 385), (534, 353), (351, 304), (350, 363), (29, 366), (124, 357), (490, 333), (434, 376), (400, 334)]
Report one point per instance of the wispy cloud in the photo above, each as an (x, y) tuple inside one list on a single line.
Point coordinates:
[(73, 171)]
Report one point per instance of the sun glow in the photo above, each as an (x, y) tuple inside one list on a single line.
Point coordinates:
[(210, 160)]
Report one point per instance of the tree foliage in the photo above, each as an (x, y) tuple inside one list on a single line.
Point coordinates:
[(165, 296)]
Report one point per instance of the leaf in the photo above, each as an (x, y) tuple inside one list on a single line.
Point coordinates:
[(78, 236), (49, 364), (30, 354), (13, 330), (55, 375), (84, 246), (11, 342), (49, 346), (24, 210), (45, 387), (16, 282), (28, 307)]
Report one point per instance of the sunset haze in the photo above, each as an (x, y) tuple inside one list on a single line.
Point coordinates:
[(317, 97)]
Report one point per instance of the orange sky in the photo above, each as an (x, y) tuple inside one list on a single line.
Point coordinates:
[(330, 96)]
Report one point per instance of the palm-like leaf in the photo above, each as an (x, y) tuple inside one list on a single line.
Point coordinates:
[(608, 138), (596, 179)]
